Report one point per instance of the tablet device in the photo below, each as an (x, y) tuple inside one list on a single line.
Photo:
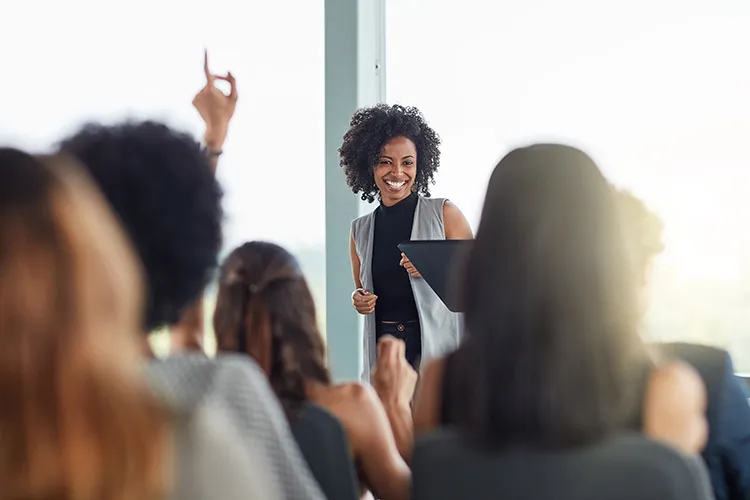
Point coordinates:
[(438, 261)]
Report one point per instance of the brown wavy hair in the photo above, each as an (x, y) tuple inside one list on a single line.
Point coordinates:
[(263, 295), (76, 421)]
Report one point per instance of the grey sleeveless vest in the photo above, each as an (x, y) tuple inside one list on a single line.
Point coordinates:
[(441, 328)]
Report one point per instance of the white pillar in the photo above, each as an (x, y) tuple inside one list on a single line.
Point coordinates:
[(354, 77)]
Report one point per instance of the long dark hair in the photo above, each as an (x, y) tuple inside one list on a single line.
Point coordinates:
[(71, 382), (550, 306), (262, 292)]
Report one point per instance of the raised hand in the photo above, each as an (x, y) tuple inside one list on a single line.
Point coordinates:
[(364, 301), (215, 107), (393, 377), (406, 264)]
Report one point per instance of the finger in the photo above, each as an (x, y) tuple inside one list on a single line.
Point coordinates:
[(385, 346), (232, 86), (209, 76), (404, 258), (393, 349), (401, 351)]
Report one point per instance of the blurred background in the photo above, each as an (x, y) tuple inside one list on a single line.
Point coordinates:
[(657, 91)]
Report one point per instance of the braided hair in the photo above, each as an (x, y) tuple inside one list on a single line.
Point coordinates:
[(262, 292), (368, 132)]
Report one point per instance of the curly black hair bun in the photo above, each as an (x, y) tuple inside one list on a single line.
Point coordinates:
[(160, 185), (370, 129)]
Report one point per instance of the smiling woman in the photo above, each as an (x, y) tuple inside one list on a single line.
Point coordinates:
[(391, 153)]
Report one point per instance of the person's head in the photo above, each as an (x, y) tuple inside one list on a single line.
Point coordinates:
[(643, 230), (161, 187), (76, 420), (550, 304), (390, 152), (265, 309)]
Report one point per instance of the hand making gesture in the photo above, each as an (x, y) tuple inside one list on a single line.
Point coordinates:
[(215, 107)]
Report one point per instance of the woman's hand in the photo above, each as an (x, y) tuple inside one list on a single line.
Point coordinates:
[(674, 409), (215, 107), (406, 264), (393, 377), (364, 301)]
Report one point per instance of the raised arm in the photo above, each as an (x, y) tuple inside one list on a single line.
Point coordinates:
[(216, 109), (385, 471), (428, 400), (456, 225)]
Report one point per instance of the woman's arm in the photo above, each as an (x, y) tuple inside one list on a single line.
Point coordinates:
[(456, 225), (394, 381), (428, 399), (366, 422), (217, 110), (355, 262)]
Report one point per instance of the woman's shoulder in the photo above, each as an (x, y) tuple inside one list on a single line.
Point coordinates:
[(353, 403), (362, 221)]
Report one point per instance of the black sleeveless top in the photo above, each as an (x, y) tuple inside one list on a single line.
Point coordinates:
[(391, 283)]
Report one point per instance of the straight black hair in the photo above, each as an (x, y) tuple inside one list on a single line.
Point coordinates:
[(550, 306)]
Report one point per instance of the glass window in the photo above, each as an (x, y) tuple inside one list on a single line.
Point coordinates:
[(87, 60), (657, 92)]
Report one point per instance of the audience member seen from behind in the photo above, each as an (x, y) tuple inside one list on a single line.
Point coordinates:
[(76, 419), (553, 357), (265, 309), (727, 452), (160, 184)]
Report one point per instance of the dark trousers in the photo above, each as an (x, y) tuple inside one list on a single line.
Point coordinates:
[(408, 331)]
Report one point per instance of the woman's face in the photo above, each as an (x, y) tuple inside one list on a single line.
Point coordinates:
[(396, 169)]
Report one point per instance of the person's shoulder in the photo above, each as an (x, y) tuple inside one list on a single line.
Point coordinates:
[(355, 403), (183, 381), (355, 394), (362, 219), (241, 372), (436, 203), (186, 380)]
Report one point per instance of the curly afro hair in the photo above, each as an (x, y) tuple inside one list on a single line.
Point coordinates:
[(370, 129), (159, 183)]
